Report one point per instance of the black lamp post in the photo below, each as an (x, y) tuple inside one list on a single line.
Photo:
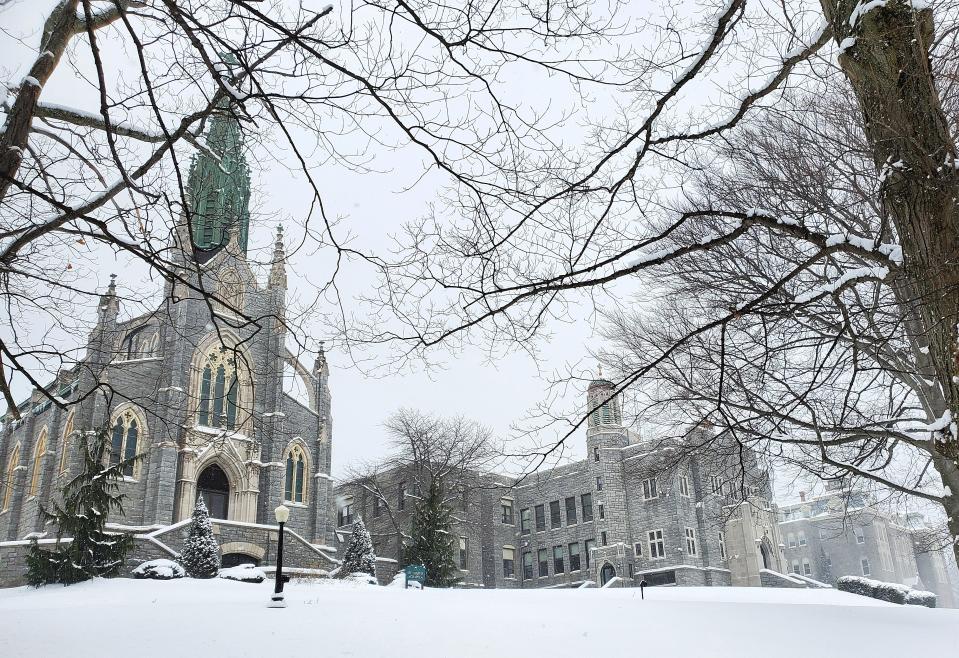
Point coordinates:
[(277, 601)]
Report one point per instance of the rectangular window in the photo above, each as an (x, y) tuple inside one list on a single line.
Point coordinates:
[(657, 545), (806, 568), (508, 562), (378, 505), (507, 506), (715, 484), (464, 556), (586, 503), (595, 453), (795, 566), (638, 549), (602, 537), (588, 548), (802, 538), (722, 544), (524, 521), (555, 520), (464, 499), (543, 559), (599, 483), (574, 563), (684, 486), (540, 517), (649, 489), (558, 565), (602, 511), (791, 540), (571, 511), (401, 496), (346, 513), (860, 536), (527, 565), (865, 567), (691, 541)]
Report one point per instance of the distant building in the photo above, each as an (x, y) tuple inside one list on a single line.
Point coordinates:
[(844, 533), (632, 510)]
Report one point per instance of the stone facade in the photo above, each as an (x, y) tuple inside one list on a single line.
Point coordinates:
[(844, 533), (200, 387), (629, 510)]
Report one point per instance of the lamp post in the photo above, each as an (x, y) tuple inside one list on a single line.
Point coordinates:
[(282, 515)]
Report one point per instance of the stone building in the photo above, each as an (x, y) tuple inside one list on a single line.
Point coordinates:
[(202, 390), (630, 511), (844, 533)]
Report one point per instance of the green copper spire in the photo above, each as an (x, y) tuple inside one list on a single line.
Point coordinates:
[(219, 192)]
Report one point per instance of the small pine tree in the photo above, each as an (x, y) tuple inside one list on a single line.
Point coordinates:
[(825, 568), (359, 556), (431, 542), (201, 553), (88, 499)]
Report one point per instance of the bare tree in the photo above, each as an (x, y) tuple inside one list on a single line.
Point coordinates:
[(454, 454), (612, 217), (323, 86)]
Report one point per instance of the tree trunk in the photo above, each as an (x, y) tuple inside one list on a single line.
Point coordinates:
[(885, 57), (57, 32)]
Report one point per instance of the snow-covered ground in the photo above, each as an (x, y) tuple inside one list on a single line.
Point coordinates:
[(225, 618)]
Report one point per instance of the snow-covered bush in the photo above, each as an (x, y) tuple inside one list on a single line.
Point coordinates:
[(359, 556), (361, 578), (857, 585), (201, 553), (891, 592), (920, 597), (245, 573), (159, 570)]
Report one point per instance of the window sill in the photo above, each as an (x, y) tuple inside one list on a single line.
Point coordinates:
[(290, 503)]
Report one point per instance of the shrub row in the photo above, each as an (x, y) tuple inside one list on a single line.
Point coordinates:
[(891, 592)]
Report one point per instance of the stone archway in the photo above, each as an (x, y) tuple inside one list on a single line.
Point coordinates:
[(214, 486), (607, 573), (765, 553), (236, 459)]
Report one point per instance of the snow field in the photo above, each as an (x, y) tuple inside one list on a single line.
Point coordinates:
[(188, 617)]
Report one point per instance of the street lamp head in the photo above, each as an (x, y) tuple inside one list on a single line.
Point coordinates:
[(282, 514)]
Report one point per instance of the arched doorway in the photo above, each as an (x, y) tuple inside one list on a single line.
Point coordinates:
[(764, 552), (607, 573), (214, 486)]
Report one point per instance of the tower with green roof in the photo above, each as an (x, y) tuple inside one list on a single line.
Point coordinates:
[(219, 188)]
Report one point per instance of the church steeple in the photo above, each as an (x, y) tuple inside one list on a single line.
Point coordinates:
[(219, 188)]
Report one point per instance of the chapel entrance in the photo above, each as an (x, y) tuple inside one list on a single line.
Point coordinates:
[(607, 573), (214, 486), (764, 552)]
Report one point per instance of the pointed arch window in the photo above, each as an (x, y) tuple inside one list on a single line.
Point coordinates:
[(36, 472), (65, 443), (295, 489), (124, 440), (9, 473), (219, 391)]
